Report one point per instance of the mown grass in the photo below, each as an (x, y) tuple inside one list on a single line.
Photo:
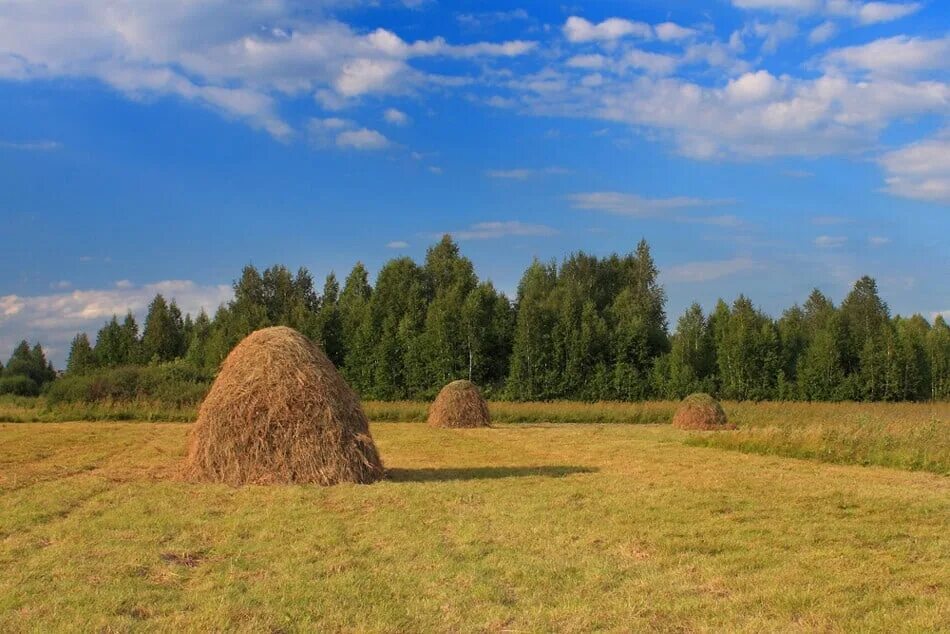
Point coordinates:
[(514, 528), (914, 436)]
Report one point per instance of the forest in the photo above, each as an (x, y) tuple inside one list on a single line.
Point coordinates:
[(587, 328)]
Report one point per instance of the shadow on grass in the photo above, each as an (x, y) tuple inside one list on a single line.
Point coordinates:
[(481, 473)]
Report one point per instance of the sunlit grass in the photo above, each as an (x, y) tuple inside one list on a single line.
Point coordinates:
[(516, 528), (912, 436)]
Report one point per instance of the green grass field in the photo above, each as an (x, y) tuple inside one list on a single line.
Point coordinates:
[(522, 527)]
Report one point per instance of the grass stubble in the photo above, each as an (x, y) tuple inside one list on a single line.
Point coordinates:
[(523, 527)]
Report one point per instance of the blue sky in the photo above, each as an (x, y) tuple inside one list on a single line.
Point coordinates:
[(760, 146)]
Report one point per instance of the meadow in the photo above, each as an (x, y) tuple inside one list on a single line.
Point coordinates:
[(547, 523), (913, 436)]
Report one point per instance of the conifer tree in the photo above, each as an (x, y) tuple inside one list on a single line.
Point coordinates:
[(81, 359)]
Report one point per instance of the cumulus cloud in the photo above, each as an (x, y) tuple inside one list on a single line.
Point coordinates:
[(899, 55), (397, 244), (502, 229), (235, 58), (670, 31), (55, 318), (755, 114), (577, 29), (920, 170)]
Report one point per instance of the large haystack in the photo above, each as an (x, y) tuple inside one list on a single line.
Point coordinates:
[(279, 412), (459, 404), (700, 411)]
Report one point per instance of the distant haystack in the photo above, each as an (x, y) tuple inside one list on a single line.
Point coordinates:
[(459, 404), (279, 412), (700, 411)]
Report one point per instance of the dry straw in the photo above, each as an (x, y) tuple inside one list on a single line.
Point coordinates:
[(459, 404), (279, 412), (700, 411)]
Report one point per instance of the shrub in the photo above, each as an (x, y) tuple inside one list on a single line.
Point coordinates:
[(18, 385)]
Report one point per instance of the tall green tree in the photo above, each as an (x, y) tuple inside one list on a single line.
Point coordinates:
[(691, 362), (330, 322), (534, 374), (358, 332), (81, 359), (163, 338), (938, 355)]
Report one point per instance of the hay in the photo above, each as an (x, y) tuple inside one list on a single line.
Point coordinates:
[(700, 411), (279, 412), (459, 404)]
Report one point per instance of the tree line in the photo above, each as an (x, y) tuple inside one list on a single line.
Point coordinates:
[(587, 328)]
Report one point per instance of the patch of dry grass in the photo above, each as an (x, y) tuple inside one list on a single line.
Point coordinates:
[(913, 436), (516, 528)]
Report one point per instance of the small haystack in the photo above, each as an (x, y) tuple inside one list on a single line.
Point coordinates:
[(279, 412), (700, 411), (459, 404)]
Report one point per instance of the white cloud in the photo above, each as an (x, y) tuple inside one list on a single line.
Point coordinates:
[(708, 270), (636, 206), (920, 170), (899, 55), (774, 33), (435, 169), (754, 115), (874, 12), (55, 318), (825, 221), (829, 242), (590, 62), (31, 146), (861, 12), (577, 29), (61, 285), (878, 241), (362, 139), (670, 31), (823, 32), (498, 229), (524, 173), (397, 244), (653, 63), (396, 117), (236, 58)]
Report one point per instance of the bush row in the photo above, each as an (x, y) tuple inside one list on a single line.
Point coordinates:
[(176, 384)]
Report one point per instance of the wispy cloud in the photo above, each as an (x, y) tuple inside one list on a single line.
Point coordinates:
[(829, 242), (397, 244), (31, 146), (524, 173), (824, 221), (709, 270), (396, 117), (502, 229), (636, 206), (878, 241)]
